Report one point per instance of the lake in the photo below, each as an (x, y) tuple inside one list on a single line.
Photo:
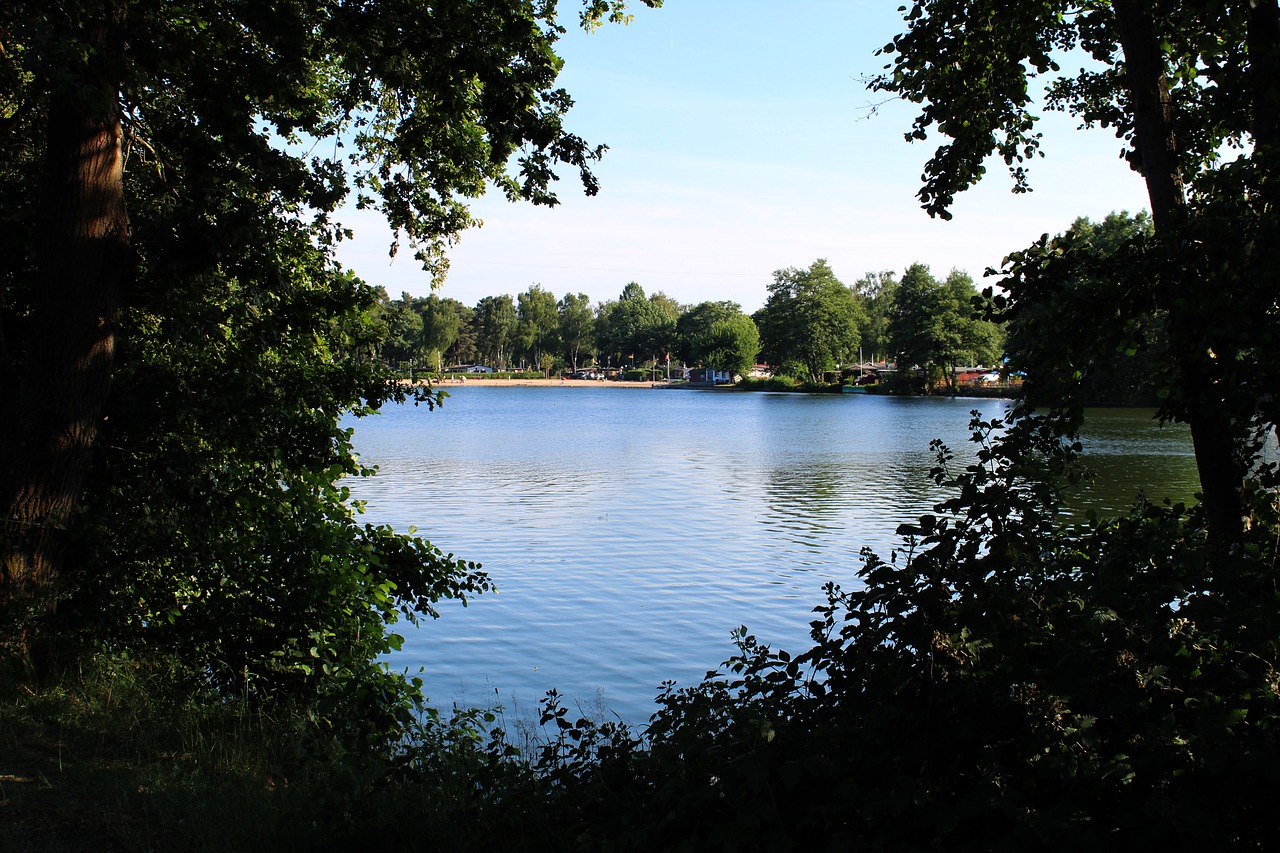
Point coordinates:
[(629, 531)]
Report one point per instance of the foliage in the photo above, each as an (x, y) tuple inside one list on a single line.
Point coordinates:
[(718, 335), (695, 322), (212, 525), (780, 382), (810, 319), (443, 322), (402, 340), (537, 325), (216, 521), (1093, 336), (1001, 683), (115, 754), (1188, 87), (576, 326), (731, 345), (878, 292), (636, 329), (495, 338), (935, 325)]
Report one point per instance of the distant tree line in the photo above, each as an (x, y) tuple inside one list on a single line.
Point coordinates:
[(811, 324)]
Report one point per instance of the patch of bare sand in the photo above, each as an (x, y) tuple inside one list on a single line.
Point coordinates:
[(537, 383)]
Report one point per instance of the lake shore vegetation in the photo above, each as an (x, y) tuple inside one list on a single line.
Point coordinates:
[(812, 327)]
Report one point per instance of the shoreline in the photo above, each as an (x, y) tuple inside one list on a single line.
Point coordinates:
[(532, 383)]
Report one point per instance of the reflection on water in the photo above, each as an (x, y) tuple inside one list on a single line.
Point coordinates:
[(629, 531), (1130, 451)]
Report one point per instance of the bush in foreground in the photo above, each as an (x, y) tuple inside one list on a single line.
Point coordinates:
[(1000, 683)]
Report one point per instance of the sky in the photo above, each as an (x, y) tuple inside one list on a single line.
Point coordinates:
[(742, 141)]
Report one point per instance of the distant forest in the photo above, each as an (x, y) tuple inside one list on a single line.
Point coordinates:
[(812, 323)]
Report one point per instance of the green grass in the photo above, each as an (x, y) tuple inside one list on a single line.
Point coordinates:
[(119, 757), (112, 757)]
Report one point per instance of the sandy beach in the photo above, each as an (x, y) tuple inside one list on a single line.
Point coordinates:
[(536, 383)]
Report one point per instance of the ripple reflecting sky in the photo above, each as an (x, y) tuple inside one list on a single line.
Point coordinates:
[(629, 531)]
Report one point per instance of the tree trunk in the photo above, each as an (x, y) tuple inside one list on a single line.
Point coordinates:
[(1221, 471), (1264, 67), (1156, 143), (84, 258)]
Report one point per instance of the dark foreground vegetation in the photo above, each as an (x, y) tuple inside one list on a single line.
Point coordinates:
[(998, 684), (193, 615)]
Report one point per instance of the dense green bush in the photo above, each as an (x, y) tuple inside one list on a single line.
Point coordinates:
[(217, 518), (768, 383), (1001, 683)]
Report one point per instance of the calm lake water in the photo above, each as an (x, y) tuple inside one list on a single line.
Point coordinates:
[(630, 530)]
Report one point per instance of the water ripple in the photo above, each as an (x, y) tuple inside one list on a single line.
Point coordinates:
[(630, 532)]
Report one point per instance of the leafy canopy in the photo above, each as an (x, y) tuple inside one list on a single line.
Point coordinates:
[(978, 68), (213, 526), (1189, 87), (811, 320)]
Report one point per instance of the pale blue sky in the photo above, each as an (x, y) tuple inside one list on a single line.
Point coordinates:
[(740, 143)]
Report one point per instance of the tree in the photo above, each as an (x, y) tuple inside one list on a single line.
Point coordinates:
[(495, 336), (915, 327), (403, 336), (1084, 341), (537, 323), (636, 328), (577, 322), (878, 293), (978, 341), (718, 335), (810, 320), (633, 292), (608, 343), (445, 324), (660, 336), (934, 325), (464, 345), (731, 344), (694, 324), (1200, 119), (218, 188)]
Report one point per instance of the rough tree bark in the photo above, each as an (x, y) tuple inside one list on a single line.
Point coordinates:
[(1222, 472), (84, 259)]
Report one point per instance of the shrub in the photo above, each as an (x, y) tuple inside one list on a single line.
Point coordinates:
[(1001, 683)]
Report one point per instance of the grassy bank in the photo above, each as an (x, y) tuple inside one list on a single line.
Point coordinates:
[(120, 757), (116, 758)]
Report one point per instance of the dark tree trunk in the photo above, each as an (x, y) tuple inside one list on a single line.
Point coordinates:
[(1264, 67), (84, 257), (1156, 143), (1217, 460)]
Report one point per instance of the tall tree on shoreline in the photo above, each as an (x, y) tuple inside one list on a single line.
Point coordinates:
[(1084, 340), (495, 336), (637, 329), (877, 290), (810, 321), (1199, 115), (577, 324), (114, 104), (537, 324)]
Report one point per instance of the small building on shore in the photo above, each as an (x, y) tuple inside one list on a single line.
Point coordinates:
[(709, 376)]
